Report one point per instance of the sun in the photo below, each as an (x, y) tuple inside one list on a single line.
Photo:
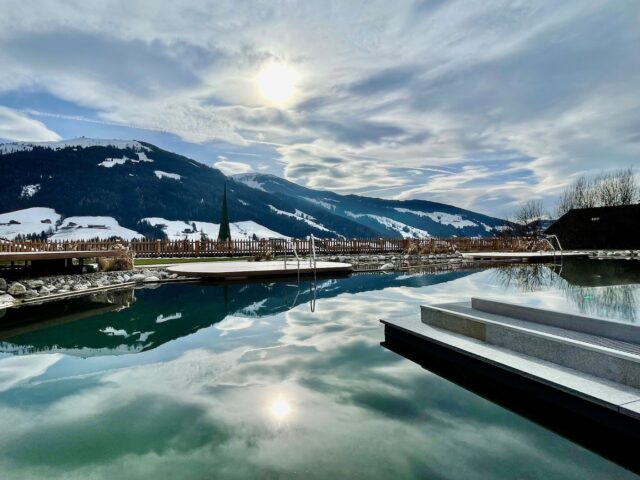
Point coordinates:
[(277, 83)]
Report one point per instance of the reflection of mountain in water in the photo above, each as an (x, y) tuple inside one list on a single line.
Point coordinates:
[(601, 288), (114, 323)]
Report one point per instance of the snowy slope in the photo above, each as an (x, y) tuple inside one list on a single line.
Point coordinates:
[(178, 229), (28, 221), (387, 217), (442, 217), (301, 216), (406, 231), (81, 228)]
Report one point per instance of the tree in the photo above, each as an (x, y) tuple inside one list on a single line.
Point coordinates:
[(224, 234), (604, 190), (527, 220)]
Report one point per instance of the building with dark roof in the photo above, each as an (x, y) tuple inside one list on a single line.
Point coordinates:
[(599, 228)]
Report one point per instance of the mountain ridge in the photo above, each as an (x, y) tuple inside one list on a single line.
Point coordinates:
[(136, 183)]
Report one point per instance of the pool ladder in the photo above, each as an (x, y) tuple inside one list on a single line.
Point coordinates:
[(548, 240), (313, 261)]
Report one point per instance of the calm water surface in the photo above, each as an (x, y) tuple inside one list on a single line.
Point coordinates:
[(276, 381)]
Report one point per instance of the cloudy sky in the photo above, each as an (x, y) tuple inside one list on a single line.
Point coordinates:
[(478, 104)]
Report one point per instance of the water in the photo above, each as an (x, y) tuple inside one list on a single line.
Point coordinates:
[(246, 381)]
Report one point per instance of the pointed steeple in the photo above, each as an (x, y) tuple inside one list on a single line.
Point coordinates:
[(224, 233)]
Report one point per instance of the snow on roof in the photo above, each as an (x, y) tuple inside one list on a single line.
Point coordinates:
[(82, 142)]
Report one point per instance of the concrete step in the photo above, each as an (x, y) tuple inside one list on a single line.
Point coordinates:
[(540, 334)]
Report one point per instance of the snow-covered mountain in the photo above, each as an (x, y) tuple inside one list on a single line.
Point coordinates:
[(388, 218), (88, 188)]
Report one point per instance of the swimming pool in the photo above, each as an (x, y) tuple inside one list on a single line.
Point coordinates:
[(277, 380)]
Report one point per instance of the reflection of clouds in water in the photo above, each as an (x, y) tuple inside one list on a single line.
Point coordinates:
[(322, 399), (16, 370), (233, 323)]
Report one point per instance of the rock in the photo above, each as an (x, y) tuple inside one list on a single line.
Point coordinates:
[(31, 294), (7, 299), (3, 284), (152, 278), (138, 277), (16, 289), (387, 266), (173, 276), (79, 286), (126, 277), (164, 275), (44, 291), (34, 284)]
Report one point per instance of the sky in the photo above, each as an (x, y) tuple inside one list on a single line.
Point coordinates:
[(479, 104)]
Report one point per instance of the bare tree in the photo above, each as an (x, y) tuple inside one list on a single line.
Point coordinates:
[(527, 219), (605, 190)]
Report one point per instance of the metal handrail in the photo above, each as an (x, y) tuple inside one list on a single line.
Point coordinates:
[(546, 238), (312, 255), (295, 252)]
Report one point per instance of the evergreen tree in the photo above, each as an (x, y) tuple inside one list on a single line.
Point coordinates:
[(224, 233)]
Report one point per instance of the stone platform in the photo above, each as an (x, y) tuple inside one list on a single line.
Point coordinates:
[(238, 270), (588, 359)]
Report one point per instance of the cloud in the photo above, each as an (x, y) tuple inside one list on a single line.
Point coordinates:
[(435, 84), (232, 168), (19, 127)]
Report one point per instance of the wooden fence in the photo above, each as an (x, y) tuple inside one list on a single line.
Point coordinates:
[(213, 248)]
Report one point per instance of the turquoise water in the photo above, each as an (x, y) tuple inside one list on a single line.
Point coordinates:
[(275, 381)]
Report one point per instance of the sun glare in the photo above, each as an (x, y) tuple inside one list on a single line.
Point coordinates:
[(277, 83), (280, 409)]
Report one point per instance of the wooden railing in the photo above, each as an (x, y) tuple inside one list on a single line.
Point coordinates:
[(207, 248)]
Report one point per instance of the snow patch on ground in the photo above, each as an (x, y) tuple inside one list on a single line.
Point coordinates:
[(29, 220), (110, 162), (178, 229), (403, 229), (160, 174), (301, 216), (246, 204), (322, 203), (12, 147), (441, 217), (29, 191), (250, 181), (82, 228)]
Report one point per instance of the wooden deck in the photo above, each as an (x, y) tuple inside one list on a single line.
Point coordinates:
[(55, 255), (236, 270)]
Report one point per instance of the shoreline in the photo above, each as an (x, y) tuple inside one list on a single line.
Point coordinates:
[(39, 290)]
